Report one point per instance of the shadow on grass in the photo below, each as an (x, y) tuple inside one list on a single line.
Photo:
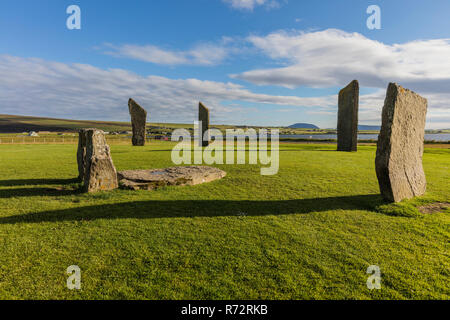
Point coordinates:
[(38, 192), (32, 182), (198, 208)]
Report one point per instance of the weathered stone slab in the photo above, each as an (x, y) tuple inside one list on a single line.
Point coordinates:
[(94, 161), (138, 122), (203, 116), (347, 127), (175, 176), (400, 145)]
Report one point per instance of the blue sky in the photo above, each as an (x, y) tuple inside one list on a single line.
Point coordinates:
[(257, 62)]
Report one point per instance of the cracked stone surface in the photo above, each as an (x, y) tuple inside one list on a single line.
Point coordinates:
[(174, 176), (400, 146)]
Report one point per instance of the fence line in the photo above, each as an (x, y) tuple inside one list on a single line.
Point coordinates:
[(47, 140)]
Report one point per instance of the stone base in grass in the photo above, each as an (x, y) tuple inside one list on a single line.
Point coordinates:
[(435, 207), (174, 176)]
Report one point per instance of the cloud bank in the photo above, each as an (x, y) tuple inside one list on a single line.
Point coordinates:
[(39, 87), (334, 57), (323, 59)]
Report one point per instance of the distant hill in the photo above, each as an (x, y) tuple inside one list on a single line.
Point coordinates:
[(364, 127), (303, 126), (18, 124)]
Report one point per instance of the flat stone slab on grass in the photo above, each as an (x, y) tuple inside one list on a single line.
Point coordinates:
[(174, 176)]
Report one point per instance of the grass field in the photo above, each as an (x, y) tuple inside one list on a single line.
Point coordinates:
[(309, 232)]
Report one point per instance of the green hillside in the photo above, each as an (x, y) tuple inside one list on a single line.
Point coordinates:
[(17, 124)]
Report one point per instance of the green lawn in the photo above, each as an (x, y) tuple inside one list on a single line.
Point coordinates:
[(309, 232)]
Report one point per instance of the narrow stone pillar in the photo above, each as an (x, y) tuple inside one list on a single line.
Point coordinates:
[(81, 153), (400, 145), (138, 122), (347, 127), (203, 116)]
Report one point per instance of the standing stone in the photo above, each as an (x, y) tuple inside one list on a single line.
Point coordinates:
[(138, 122), (81, 153), (400, 145), (94, 161), (347, 127), (203, 116)]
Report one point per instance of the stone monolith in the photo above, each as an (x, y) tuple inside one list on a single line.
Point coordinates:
[(81, 153), (400, 145), (203, 117), (138, 122), (95, 164), (347, 127)]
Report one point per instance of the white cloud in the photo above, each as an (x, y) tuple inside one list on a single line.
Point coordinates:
[(251, 4), (200, 54), (37, 87), (205, 54), (322, 112), (334, 58)]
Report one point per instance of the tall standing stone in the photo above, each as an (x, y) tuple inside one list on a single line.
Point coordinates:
[(400, 145), (203, 117), (138, 122), (347, 127), (81, 153), (94, 161)]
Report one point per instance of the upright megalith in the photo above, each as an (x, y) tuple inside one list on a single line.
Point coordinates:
[(138, 122), (400, 145), (347, 126), (81, 153), (203, 118), (95, 166)]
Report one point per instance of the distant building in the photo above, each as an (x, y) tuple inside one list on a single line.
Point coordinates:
[(33, 134), (161, 137)]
